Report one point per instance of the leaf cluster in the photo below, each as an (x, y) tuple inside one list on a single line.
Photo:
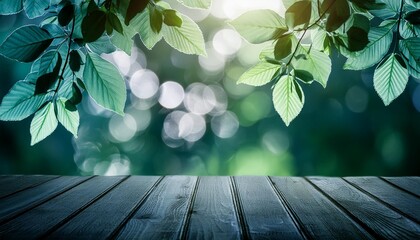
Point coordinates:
[(65, 54), (381, 33)]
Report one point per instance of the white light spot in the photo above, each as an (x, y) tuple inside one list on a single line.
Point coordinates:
[(225, 125), (357, 99), (227, 42), (144, 84), (171, 94), (214, 61), (200, 99), (122, 129), (192, 127)]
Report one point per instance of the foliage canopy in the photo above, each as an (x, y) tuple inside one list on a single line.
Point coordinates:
[(65, 50)]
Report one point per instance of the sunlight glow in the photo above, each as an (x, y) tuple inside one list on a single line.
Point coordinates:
[(233, 8)]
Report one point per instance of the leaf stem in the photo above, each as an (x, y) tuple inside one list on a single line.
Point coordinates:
[(398, 25), (306, 29), (60, 78)]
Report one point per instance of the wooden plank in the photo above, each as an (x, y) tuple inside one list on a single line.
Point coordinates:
[(264, 214), (102, 218), (400, 200), (163, 213), (383, 222), (318, 217), (213, 213), (410, 184), (12, 184), (38, 221), (20, 202)]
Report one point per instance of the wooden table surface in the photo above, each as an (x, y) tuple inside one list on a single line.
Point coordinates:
[(189, 207)]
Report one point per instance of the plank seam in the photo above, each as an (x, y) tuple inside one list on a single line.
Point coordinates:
[(244, 231), (10, 194), (358, 223), (13, 216), (401, 188), (82, 208), (299, 225), (186, 221), (387, 205), (136, 207)]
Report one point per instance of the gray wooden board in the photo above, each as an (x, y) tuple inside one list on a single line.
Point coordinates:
[(402, 201), (163, 213), (410, 184), (13, 184), (103, 217), (39, 220), (264, 214), (20, 202), (318, 217), (213, 214), (383, 221)]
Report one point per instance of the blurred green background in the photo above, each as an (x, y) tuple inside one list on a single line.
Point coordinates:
[(186, 115)]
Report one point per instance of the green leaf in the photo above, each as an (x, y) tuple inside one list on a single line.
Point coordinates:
[(156, 20), (66, 14), (320, 41), (48, 61), (114, 22), (48, 75), (102, 45), (93, 26), (54, 30), (380, 40), (77, 96), (283, 47), (125, 41), (75, 61), (171, 18), (26, 43), (410, 48), (393, 5), (202, 4), (68, 115), (357, 39), (304, 76), (43, 124), (187, 39), (390, 79), (260, 74), (20, 102), (258, 26), (147, 35), (134, 8), (104, 83), (368, 4), (299, 14), (339, 13), (288, 98), (315, 62), (35, 8), (10, 7), (413, 17)]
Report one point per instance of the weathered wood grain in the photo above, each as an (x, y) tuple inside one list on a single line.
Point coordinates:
[(400, 200), (318, 217), (213, 213), (13, 184), (264, 214), (410, 184), (163, 213), (20, 202), (383, 222), (42, 219), (102, 218)]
